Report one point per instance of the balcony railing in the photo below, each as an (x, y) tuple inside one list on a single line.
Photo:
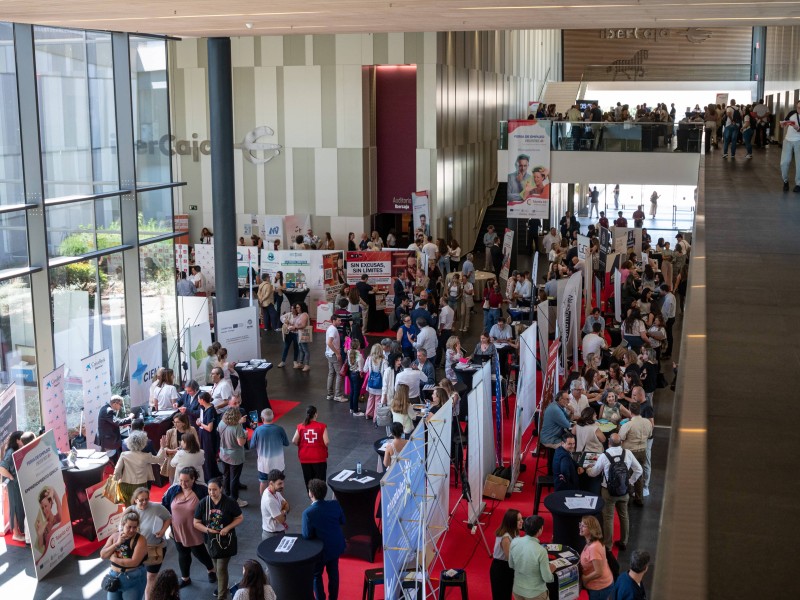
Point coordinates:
[(619, 137)]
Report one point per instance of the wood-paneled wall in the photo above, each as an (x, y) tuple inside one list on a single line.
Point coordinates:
[(683, 50)]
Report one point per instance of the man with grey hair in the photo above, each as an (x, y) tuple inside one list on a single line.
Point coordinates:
[(221, 391), (188, 403), (268, 440), (108, 436)]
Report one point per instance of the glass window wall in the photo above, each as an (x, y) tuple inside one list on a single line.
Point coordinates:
[(11, 187), (157, 272)]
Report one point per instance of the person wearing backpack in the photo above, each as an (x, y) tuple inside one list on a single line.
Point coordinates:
[(620, 470), (373, 370)]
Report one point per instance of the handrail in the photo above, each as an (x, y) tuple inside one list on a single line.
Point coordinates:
[(544, 83), (487, 201)]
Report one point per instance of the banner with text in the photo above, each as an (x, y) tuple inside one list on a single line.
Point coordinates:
[(54, 407), (204, 258), (44, 497), (237, 330), (294, 225), (246, 259), (378, 265), (528, 191), (568, 319), (96, 375), (144, 359), (508, 242), (295, 265), (552, 381), (421, 210), (182, 258)]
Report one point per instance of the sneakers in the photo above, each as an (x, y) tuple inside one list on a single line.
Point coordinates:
[(786, 185), (329, 398), (281, 364), (184, 583), (358, 414), (297, 365), (645, 492), (725, 155), (341, 399), (748, 156), (241, 503), (306, 369), (212, 577)]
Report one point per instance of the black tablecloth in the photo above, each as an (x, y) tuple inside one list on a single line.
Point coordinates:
[(295, 296), (565, 520), (552, 588), (378, 444), (358, 503), (253, 383), (84, 475), (291, 573)]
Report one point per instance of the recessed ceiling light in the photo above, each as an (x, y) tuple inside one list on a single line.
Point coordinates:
[(248, 25)]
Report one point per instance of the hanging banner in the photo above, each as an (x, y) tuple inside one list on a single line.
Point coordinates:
[(508, 241), (181, 223), (617, 296), (144, 359), (195, 341), (605, 248), (333, 274), (96, 376), (106, 514), (528, 190), (295, 225), (192, 310), (204, 258), (543, 330), (45, 500), (237, 330), (421, 210), (568, 315), (378, 265), (552, 381), (271, 229), (498, 412), (54, 408)]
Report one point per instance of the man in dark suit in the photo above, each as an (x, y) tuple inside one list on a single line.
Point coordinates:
[(108, 436), (323, 521), (188, 403)]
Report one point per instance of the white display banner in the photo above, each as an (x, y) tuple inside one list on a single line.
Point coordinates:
[(583, 246), (106, 514), (195, 341), (54, 408), (480, 450), (568, 315), (271, 230), (508, 242), (324, 312), (294, 264), (204, 258), (295, 225), (617, 296), (237, 330), (192, 310), (528, 190), (96, 376), (182, 258), (45, 500), (543, 330), (440, 429), (526, 386), (421, 211), (144, 359)]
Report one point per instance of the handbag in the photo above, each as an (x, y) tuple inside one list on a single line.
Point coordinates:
[(218, 545), (345, 370), (155, 555), (111, 491), (383, 415), (111, 582), (305, 335)]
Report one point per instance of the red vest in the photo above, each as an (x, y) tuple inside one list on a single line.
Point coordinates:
[(312, 448)]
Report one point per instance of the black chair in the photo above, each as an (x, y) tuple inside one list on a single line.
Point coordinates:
[(459, 580), (542, 481), (372, 579)]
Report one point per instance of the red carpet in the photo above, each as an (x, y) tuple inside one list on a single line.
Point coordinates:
[(281, 407)]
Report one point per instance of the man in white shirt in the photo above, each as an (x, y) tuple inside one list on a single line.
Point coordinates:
[(791, 145), (411, 377), (426, 338), (685, 246), (553, 237), (577, 399), (593, 342), (634, 435), (333, 353), (199, 280), (668, 311), (522, 291), (222, 391), (430, 250), (274, 507), (620, 503), (447, 317)]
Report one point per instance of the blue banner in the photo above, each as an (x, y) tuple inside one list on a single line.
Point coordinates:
[(498, 412)]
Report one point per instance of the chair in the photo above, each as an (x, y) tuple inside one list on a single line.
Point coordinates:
[(542, 481), (459, 580), (372, 579)]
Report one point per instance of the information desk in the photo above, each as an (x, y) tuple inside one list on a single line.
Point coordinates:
[(565, 520), (253, 384), (358, 503), (291, 574), (86, 473)]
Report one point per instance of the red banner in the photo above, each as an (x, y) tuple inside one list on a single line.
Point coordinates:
[(551, 379)]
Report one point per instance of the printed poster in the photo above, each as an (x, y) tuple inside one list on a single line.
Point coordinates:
[(144, 359), (237, 330), (246, 258), (96, 377), (508, 242), (378, 265), (204, 258), (182, 258), (54, 407), (528, 190), (271, 229), (45, 500), (106, 515), (195, 341), (421, 211), (568, 320), (333, 274)]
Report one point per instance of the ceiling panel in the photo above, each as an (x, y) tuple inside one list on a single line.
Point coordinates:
[(201, 18)]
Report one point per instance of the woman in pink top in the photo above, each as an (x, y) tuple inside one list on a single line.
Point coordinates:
[(595, 573), (181, 500)]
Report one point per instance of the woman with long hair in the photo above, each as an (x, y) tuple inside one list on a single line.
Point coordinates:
[(181, 500), (280, 287), (299, 323), (166, 586), (351, 242), (16, 514), (188, 455), (451, 358), (171, 443), (255, 583), (633, 330), (311, 439), (402, 412), (355, 364), (454, 253), (328, 243), (373, 371), (395, 446), (209, 436), (290, 337), (588, 436), (596, 577), (392, 368), (443, 260), (501, 576), (164, 395)]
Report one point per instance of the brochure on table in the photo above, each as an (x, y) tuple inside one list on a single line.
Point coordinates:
[(44, 497)]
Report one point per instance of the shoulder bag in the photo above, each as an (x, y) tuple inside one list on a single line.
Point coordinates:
[(217, 544)]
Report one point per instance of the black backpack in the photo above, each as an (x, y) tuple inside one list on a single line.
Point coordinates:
[(617, 479)]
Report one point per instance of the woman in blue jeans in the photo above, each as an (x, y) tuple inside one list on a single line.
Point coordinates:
[(289, 337), (127, 551), (355, 363), (301, 321)]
